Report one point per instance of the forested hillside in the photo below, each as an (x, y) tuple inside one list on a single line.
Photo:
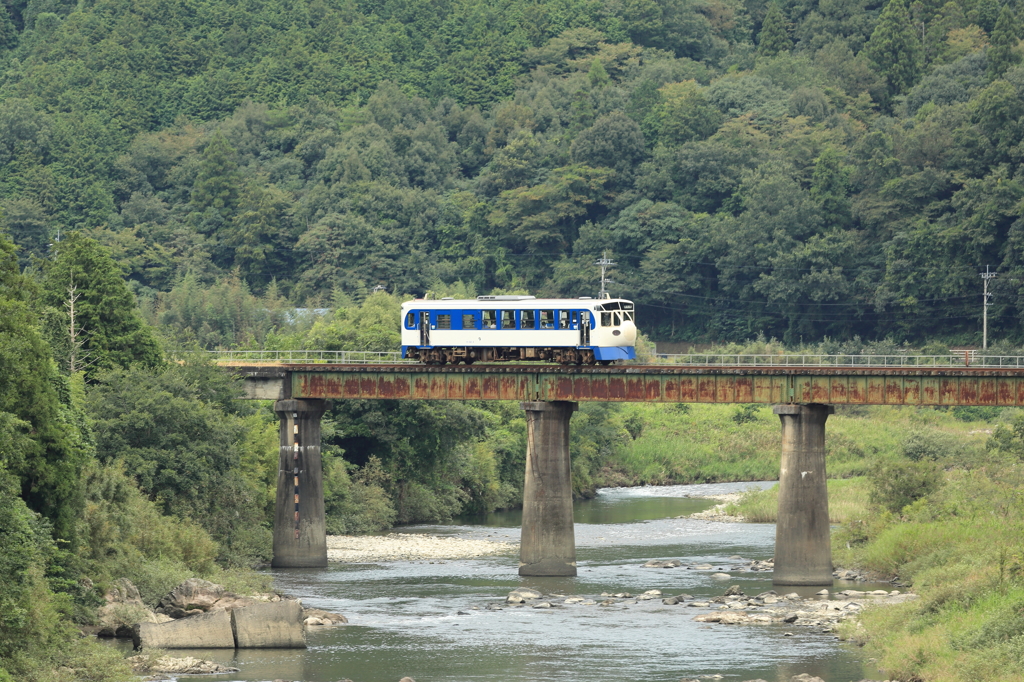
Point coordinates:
[(802, 169)]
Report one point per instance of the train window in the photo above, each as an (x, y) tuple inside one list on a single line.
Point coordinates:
[(628, 316), (444, 321), (547, 319), (468, 321), (410, 320), (617, 317), (606, 319), (563, 319), (527, 319), (626, 305), (490, 319), (508, 319)]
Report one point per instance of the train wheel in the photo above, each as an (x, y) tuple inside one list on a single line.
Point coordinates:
[(606, 362)]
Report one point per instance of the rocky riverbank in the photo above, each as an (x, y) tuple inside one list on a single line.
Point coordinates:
[(354, 549), (823, 610)]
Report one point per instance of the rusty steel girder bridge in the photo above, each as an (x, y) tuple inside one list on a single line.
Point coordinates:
[(803, 390), (921, 385)]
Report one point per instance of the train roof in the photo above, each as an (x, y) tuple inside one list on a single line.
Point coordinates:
[(511, 302)]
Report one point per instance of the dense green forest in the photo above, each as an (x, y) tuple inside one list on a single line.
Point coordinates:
[(205, 174), (802, 169)]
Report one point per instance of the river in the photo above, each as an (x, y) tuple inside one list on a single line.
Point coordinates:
[(430, 621)]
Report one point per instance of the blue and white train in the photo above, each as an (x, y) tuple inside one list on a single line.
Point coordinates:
[(501, 328)]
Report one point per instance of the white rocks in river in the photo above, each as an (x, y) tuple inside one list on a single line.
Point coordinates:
[(574, 600), (143, 663), (804, 677), (520, 595), (721, 576), (663, 563), (542, 605), (649, 594), (702, 567), (822, 593), (700, 604)]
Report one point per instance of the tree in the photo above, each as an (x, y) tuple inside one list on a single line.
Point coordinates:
[(217, 185), (1002, 55), (105, 312), (685, 114), (895, 48), (774, 36), (830, 185), (614, 141), (40, 442)]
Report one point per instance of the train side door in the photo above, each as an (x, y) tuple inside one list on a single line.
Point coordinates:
[(584, 328), (424, 328)]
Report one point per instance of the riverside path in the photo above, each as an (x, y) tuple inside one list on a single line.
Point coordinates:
[(803, 389)]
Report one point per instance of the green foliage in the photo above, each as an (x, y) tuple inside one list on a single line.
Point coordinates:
[(895, 49), (109, 328), (1002, 55), (745, 414), (356, 506), (899, 484), (178, 433), (774, 36)]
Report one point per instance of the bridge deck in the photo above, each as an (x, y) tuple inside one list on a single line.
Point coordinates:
[(964, 385)]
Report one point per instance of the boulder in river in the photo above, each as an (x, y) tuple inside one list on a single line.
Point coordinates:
[(519, 596), (259, 625), (734, 590), (143, 664), (123, 609), (269, 626), (205, 631), (324, 617), (194, 593), (721, 576), (663, 563)]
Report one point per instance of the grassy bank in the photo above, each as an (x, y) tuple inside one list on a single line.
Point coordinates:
[(847, 501), (675, 444)]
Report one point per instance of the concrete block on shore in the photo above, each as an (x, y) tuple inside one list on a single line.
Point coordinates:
[(206, 631), (269, 625)]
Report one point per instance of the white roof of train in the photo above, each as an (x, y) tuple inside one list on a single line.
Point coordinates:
[(510, 301)]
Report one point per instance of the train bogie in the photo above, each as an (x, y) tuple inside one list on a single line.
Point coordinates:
[(524, 328)]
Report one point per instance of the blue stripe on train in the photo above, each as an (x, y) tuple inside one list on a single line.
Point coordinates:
[(600, 353)]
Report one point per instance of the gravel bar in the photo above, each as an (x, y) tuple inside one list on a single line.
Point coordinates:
[(354, 549)]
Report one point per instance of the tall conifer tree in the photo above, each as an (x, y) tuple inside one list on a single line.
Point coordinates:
[(774, 37), (1001, 55), (895, 49)]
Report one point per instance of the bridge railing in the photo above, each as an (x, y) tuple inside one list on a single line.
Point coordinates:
[(966, 359), (331, 357)]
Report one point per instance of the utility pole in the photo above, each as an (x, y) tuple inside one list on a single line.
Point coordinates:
[(605, 263), (985, 277)]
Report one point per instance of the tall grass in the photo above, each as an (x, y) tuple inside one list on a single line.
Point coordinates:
[(847, 501), (701, 443)]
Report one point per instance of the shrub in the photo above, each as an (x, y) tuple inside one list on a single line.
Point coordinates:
[(744, 414), (898, 484), (927, 445), (355, 506)]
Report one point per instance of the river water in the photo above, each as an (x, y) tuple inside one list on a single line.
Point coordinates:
[(430, 621)]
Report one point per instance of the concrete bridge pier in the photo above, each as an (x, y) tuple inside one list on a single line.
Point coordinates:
[(300, 534), (803, 552), (548, 541)]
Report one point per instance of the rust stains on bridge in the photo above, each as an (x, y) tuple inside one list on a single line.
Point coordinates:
[(647, 383)]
